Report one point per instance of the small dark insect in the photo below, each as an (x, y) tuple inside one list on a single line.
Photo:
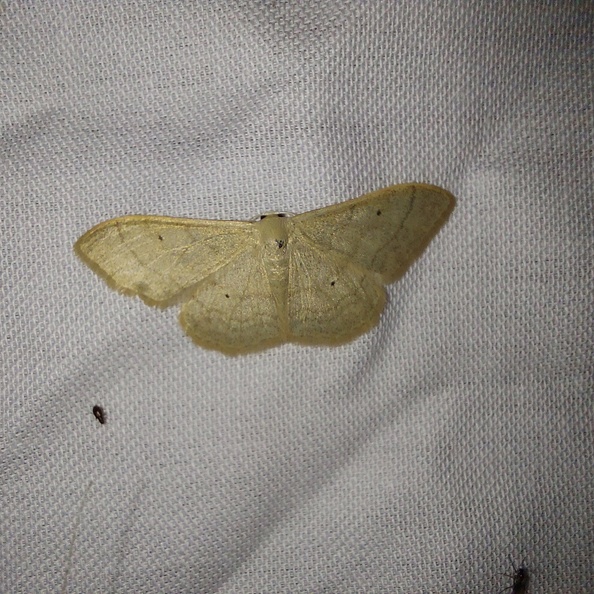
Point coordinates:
[(99, 414), (521, 578), (280, 243), (160, 237), (227, 295), (332, 283), (378, 213)]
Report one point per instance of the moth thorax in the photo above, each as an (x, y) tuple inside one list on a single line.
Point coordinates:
[(274, 234)]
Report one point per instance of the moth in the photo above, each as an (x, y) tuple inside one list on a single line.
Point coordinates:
[(315, 278)]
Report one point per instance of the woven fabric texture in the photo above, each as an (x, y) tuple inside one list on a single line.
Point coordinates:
[(420, 457)]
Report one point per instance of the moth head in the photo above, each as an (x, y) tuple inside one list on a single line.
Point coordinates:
[(266, 215), (273, 229)]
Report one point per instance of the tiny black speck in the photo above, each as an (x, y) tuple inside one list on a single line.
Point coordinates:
[(332, 283), (160, 238), (99, 414), (378, 213), (280, 243), (226, 295)]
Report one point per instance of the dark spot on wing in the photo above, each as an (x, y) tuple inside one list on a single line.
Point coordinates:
[(99, 414), (160, 238), (281, 214), (262, 217)]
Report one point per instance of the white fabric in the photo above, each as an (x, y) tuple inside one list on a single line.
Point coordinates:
[(415, 459)]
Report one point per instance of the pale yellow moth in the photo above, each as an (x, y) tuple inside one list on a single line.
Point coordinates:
[(315, 278)]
